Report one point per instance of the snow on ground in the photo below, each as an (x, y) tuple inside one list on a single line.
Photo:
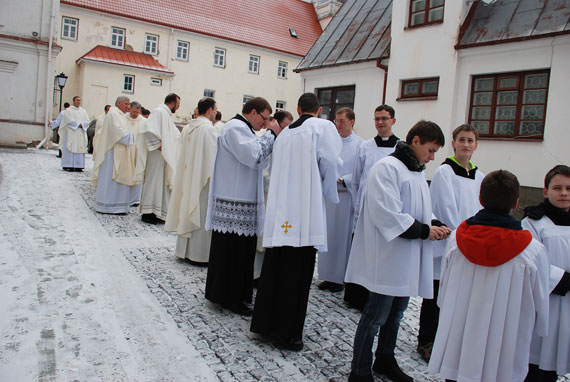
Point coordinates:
[(92, 297)]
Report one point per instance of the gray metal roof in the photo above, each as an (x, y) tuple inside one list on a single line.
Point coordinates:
[(514, 20), (360, 31)]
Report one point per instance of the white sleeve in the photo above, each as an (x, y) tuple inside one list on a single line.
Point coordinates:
[(127, 139), (355, 181), (329, 147), (443, 202), (246, 147)]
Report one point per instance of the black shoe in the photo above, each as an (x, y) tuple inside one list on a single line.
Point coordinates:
[(425, 350), (293, 344), (150, 218), (333, 287), (359, 378), (242, 309), (388, 366)]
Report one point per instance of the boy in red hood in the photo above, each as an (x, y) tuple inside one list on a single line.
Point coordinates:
[(493, 292)]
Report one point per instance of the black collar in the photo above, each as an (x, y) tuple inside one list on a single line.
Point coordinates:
[(406, 155), (243, 119), (390, 142), (494, 218), (301, 120), (558, 216), (460, 170)]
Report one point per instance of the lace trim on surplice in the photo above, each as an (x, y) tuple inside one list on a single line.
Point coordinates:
[(234, 216)]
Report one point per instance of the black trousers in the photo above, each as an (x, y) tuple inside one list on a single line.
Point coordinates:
[(230, 270), (283, 292), (356, 295), (429, 317), (538, 375)]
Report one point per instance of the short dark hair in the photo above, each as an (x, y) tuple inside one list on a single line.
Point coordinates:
[(427, 131), (218, 116), (145, 111), (309, 103), (205, 104), (258, 104), (66, 105), (499, 190), (172, 97), (281, 115), (556, 170), (346, 111), (107, 107), (387, 108), (75, 97), (465, 127)]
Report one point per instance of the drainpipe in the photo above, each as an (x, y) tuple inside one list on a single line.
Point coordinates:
[(49, 80), (385, 69)]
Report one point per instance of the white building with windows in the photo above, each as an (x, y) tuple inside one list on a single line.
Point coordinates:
[(502, 67), (27, 69), (196, 49)]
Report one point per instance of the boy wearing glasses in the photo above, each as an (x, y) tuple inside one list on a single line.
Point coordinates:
[(368, 154)]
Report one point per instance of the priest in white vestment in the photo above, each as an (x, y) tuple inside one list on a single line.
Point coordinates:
[(305, 169), (98, 125), (236, 205), (113, 167), (549, 223), (157, 152), (218, 124), (391, 255), (454, 191), (493, 292), (189, 201), (73, 136), (332, 264), (369, 152), (135, 121)]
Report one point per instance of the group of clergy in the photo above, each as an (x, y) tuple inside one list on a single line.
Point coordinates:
[(298, 188)]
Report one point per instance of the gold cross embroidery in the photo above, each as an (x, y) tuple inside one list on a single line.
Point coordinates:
[(286, 226)]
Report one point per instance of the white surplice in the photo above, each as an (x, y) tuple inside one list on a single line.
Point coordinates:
[(73, 137), (236, 199), (552, 352), (332, 264), (305, 168), (111, 196), (487, 315), (454, 198), (189, 201), (157, 152), (380, 260), (368, 154)]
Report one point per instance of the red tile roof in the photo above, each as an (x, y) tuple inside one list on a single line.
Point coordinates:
[(121, 57), (263, 23)]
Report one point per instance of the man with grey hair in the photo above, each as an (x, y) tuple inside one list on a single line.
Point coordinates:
[(114, 169)]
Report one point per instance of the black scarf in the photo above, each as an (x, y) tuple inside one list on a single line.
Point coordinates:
[(558, 216), (495, 218), (406, 155)]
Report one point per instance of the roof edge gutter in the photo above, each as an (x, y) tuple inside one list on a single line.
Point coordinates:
[(385, 69)]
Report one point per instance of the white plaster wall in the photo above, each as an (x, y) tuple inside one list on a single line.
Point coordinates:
[(22, 17), (192, 77), (368, 80), (528, 160)]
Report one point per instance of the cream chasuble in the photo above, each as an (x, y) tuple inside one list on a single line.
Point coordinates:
[(72, 136)]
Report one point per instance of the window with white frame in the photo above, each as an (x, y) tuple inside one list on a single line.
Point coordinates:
[(253, 64), (128, 83), (246, 98), (282, 69), (155, 81), (118, 38), (220, 57), (209, 93), (280, 105), (69, 27), (182, 49), (151, 44)]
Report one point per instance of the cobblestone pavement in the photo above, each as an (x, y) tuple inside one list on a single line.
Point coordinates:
[(222, 339)]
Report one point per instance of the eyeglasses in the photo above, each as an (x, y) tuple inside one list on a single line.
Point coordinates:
[(340, 120), (263, 117), (383, 119)]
